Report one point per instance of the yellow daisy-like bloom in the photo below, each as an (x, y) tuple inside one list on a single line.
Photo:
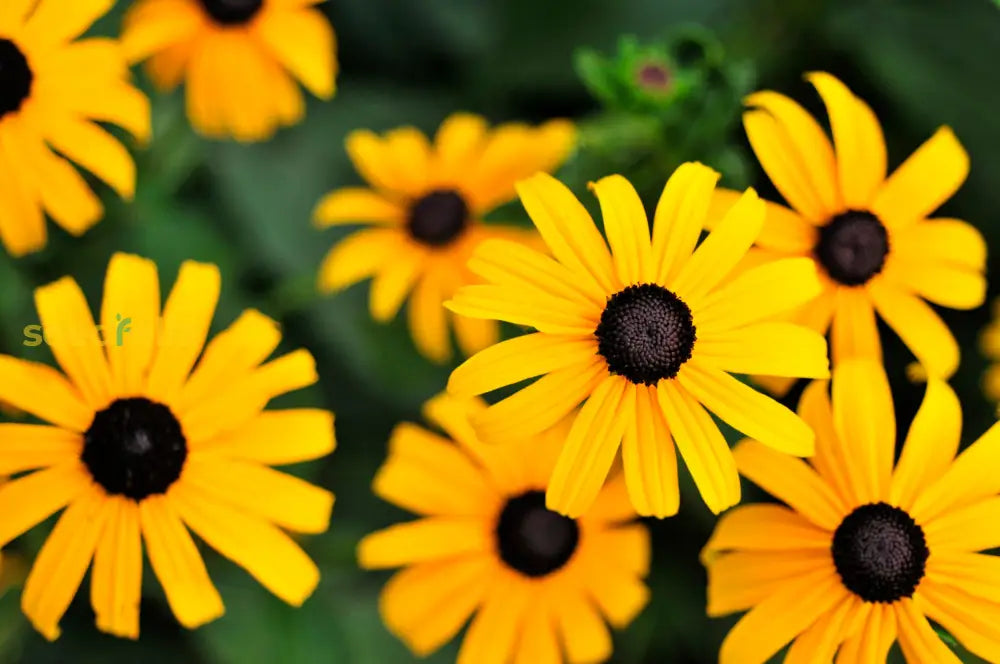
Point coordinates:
[(144, 445), (990, 344), (864, 553), (537, 582), (238, 58), (645, 334), (869, 234), (425, 207), (53, 90)]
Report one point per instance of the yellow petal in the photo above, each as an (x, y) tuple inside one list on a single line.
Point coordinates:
[(928, 178), (267, 553), (760, 293), (425, 474), (970, 619), (130, 318), (512, 361), (73, 337), (781, 617), (44, 392), (432, 538), (967, 480), (747, 410), (177, 564), (591, 447), (187, 316), (783, 231), (279, 437), (153, 25), (795, 154), (830, 460), (769, 349), (649, 458), (942, 284), (919, 326), (31, 499), (525, 306), (821, 640), (380, 165), (540, 405), (426, 605), (568, 230), (259, 491), (229, 357), (727, 244), (493, 634), (53, 22), (475, 334), (972, 527), (740, 580), (680, 215), (63, 561), (865, 422), (627, 228), (917, 639), (354, 205), (22, 224), (539, 641), (459, 141), (854, 334), (702, 447), (857, 135), (116, 578), (302, 41), (393, 283), (764, 527), (30, 446), (585, 636), (947, 241), (930, 445), (792, 481), (96, 150)]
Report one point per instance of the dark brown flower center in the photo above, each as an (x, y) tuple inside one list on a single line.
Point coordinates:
[(532, 539), (438, 218), (645, 334), (852, 247), (880, 553), (232, 12), (135, 447), (15, 77)]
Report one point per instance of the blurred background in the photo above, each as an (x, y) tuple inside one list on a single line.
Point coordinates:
[(919, 63)]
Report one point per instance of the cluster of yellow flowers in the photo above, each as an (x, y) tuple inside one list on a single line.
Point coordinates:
[(527, 506)]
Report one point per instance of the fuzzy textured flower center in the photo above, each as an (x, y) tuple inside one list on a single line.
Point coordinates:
[(232, 12), (532, 539), (880, 553), (645, 334), (653, 77), (15, 77), (438, 218), (135, 447), (853, 247)]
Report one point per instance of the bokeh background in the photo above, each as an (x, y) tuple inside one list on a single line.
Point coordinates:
[(919, 63)]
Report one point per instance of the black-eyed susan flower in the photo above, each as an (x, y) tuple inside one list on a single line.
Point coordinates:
[(539, 586), (54, 88), (238, 59), (424, 206), (864, 553), (646, 334), (147, 441), (869, 234)]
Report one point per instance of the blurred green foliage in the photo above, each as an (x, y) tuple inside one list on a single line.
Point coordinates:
[(920, 63)]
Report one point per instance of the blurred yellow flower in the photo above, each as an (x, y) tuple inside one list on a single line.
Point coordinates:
[(868, 233), (864, 553), (141, 448), (540, 585), (238, 58), (53, 90), (425, 206), (990, 344), (646, 334)]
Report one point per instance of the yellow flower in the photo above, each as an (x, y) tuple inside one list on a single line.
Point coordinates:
[(864, 554), (990, 344), (55, 89), (868, 234), (537, 582), (238, 58), (644, 334), (425, 205), (141, 447)]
